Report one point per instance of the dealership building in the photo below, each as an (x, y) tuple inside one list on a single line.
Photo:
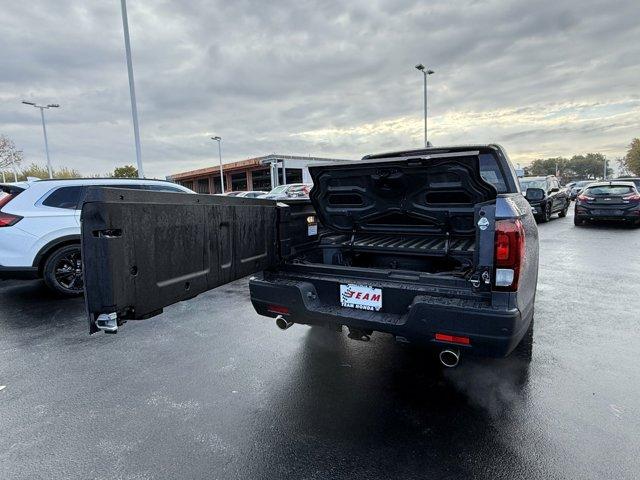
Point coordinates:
[(260, 173)]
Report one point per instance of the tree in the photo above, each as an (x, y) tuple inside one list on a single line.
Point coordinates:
[(623, 170), (10, 156), (128, 171), (40, 171), (549, 166), (632, 158), (589, 166)]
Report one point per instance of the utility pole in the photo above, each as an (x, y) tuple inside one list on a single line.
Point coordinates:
[(44, 130), (219, 140), (132, 88), (425, 72)]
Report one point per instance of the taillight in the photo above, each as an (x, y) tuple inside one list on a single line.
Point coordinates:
[(6, 219), (584, 198), (633, 197), (509, 254)]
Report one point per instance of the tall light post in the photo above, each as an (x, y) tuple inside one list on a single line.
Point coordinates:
[(132, 88), (425, 72), (219, 140), (44, 129)]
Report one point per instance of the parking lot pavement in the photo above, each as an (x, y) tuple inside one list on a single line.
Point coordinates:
[(211, 390)]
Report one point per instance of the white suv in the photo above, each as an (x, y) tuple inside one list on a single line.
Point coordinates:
[(40, 228)]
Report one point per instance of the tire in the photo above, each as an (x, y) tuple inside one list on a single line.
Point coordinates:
[(578, 222), (524, 350), (62, 271), (563, 212), (546, 215)]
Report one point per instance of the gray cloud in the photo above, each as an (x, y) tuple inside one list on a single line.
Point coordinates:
[(323, 78)]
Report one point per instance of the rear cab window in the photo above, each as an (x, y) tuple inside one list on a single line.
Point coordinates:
[(491, 173)]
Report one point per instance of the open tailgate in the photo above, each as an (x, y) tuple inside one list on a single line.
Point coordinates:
[(144, 250)]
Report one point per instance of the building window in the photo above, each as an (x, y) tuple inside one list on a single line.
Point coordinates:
[(238, 181), (294, 175), (188, 184), (203, 185), (261, 179)]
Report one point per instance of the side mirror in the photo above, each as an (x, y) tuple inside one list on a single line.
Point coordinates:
[(534, 194), (554, 190)]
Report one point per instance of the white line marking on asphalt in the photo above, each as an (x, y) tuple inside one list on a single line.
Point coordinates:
[(2, 387)]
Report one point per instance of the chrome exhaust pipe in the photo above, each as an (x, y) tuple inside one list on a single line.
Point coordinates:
[(450, 358), (282, 323)]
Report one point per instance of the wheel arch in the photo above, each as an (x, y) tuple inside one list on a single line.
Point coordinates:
[(52, 246)]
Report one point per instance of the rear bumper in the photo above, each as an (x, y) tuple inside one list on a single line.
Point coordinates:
[(631, 215), (18, 273), (492, 332)]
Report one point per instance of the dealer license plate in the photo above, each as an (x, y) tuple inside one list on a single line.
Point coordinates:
[(361, 296)]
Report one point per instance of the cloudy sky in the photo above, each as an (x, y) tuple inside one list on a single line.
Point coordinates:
[(323, 78)]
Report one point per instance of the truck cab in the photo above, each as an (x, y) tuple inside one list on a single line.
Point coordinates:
[(437, 247)]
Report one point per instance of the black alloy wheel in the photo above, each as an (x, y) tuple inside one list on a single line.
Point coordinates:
[(63, 271), (546, 215)]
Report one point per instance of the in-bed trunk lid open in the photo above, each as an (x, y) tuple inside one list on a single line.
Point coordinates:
[(426, 194)]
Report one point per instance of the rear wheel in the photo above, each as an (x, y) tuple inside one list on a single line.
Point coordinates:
[(62, 271), (563, 212), (577, 221), (524, 350)]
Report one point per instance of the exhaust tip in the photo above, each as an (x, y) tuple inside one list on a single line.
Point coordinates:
[(449, 358), (282, 323)]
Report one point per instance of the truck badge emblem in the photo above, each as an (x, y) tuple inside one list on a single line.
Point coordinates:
[(483, 223)]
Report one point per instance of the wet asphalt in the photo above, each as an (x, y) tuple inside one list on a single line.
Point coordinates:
[(211, 390)]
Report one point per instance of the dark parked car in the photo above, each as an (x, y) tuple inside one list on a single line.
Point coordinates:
[(436, 247), (545, 197), (614, 200), (577, 188)]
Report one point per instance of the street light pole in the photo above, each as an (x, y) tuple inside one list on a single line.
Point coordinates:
[(219, 140), (46, 142), (44, 130), (132, 88), (425, 72)]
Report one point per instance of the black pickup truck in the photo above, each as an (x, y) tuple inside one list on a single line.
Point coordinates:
[(436, 246)]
